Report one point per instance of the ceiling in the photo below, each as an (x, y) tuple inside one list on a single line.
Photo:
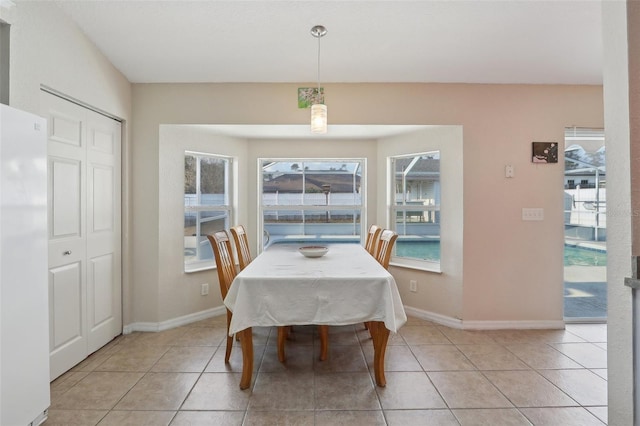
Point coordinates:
[(479, 41)]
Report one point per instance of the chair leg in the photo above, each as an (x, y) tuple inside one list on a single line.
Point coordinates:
[(246, 339), (227, 353)]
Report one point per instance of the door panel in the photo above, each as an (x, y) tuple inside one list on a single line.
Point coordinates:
[(103, 139), (101, 278), (67, 241), (103, 231), (66, 199), (84, 231), (65, 128), (67, 343), (102, 208)]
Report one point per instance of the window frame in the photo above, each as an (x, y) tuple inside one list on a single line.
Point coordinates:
[(262, 208), (394, 209), (198, 208)]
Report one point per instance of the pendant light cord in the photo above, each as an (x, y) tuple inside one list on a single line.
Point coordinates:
[(318, 32), (320, 97)]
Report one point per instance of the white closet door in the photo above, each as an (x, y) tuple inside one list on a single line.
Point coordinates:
[(84, 231), (104, 309)]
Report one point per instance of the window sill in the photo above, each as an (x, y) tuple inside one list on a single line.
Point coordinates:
[(418, 266), (205, 266)]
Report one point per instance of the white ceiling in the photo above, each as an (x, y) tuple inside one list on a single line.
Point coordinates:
[(479, 41)]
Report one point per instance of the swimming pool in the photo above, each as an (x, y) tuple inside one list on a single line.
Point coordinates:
[(425, 250), (577, 256), (430, 250)]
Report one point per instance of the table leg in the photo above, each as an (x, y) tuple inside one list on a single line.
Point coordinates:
[(282, 336), (380, 336), (246, 339), (323, 330)]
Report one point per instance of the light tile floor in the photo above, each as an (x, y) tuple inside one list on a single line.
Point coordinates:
[(435, 376)]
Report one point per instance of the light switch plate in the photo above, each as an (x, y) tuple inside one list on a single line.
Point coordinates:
[(532, 213)]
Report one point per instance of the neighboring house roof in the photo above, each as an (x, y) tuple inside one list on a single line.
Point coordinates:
[(424, 165), (292, 182), (576, 157)]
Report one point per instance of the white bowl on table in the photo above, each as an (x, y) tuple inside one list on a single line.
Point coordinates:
[(313, 251)]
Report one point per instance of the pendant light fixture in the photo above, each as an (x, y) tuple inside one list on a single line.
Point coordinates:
[(318, 108)]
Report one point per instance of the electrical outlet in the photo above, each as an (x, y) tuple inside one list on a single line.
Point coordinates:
[(204, 289), (413, 286), (509, 171)]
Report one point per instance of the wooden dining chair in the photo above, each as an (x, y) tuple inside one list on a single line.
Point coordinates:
[(385, 247), (226, 267), (371, 243), (242, 245), (383, 254), (239, 235)]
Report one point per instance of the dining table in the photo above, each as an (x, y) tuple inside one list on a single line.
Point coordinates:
[(282, 287)]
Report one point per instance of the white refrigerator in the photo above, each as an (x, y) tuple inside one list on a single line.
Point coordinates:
[(24, 306)]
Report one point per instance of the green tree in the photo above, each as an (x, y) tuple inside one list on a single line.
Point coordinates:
[(211, 175), (190, 174)]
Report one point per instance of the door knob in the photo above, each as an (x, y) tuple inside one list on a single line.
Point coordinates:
[(67, 253)]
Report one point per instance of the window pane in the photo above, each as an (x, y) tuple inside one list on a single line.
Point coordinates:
[(206, 201), (212, 181), (418, 179), (316, 183), (305, 225), (310, 200), (197, 225), (417, 206)]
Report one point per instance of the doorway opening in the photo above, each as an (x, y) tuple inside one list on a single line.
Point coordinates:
[(585, 226)]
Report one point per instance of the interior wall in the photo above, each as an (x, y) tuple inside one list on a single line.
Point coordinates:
[(438, 293), (179, 292), (512, 269), (48, 49)]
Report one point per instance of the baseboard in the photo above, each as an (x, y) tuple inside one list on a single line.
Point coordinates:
[(415, 312), (433, 317), (483, 325), (513, 325), (174, 322)]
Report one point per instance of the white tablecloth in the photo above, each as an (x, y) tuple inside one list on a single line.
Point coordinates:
[(345, 286)]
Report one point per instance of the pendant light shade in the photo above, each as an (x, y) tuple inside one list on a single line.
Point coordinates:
[(318, 118), (318, 109)]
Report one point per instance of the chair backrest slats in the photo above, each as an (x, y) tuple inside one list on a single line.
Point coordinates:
[(385, 247), (371, 243), (225, 263), (242, 245)]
